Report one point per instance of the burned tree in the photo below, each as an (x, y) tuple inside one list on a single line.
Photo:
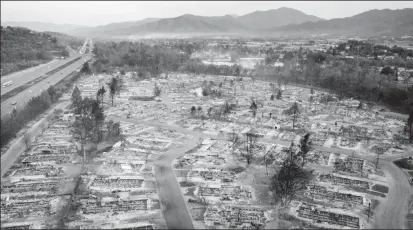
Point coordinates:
[(253, 108), (279, 94), (286, 184), (268, 158), (251, 139), (304, 149), (235, 139), (209, 112), (294, 112), (116, 85), (199, 110), (157, 91)]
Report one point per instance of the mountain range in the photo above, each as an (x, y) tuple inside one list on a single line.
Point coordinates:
[(44, 26), (279, 22)]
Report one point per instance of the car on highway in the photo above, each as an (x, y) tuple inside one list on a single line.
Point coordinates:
[(7, 84), (13, 103)]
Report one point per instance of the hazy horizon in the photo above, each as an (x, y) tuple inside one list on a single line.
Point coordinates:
[(94, 13)]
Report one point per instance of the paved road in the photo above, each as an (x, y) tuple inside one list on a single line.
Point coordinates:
[(392, 214), (175, 211), (22, 77), (23, 97)]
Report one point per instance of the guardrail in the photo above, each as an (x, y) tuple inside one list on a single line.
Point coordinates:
[(19, 89), (63, 66)]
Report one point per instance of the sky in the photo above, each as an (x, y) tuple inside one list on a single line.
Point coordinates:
[(93, 13)]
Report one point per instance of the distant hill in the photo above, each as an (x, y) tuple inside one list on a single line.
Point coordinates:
[(283, 21), (370, 23), (185, 24), (64, 40), (43, 26), (112, 28), (193, 24), (273, 18), (22, 48), (233, 15)]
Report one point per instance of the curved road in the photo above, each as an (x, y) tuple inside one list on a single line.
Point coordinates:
[(175, 211), (392, 214)]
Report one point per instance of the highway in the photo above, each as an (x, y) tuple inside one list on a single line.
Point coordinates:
[(24, 76), (23, 97)]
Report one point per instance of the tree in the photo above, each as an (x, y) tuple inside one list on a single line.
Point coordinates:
[(193, 110), (360, 106), (410, 204), (286, 184), (14, 113), (26, 139), (304, 149), (157, 91), (109, 127), (250, 145), (116, 129), (100, 94), (85, 68), (237, 71), (253, 108), (113, 87), (294, 112), (99, 117), (199, 110), (268, 156), (83, 125), (410, 125), (205, 92), (387, 71), (279, 94), (235, 139), (76, 100)]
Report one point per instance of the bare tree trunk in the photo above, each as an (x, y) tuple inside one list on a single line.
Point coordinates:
[(82, 148)]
